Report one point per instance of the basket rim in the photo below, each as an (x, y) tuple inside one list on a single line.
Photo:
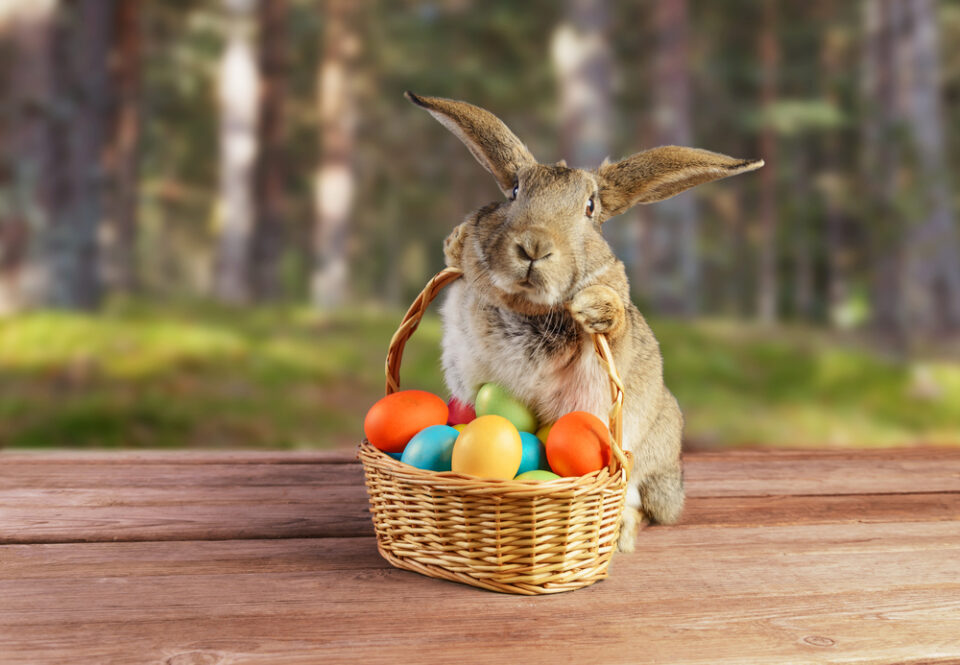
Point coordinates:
[(451, 480)]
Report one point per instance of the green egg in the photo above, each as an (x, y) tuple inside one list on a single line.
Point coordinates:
[(538, 475), (493, 399)]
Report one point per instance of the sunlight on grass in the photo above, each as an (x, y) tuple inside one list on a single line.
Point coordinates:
[(782, 389), (194, 375)]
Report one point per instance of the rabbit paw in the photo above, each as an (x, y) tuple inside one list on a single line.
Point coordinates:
[(453, 246), (633, 521), (598, 309)]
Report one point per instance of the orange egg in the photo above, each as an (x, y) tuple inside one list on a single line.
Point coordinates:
[(393, 420), (578, 444)]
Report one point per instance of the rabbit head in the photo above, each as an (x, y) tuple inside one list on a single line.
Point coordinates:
[(531, 252)]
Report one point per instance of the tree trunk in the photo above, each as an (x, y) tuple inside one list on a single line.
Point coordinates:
[(238, 150), (584, 67), (933, 255), (838, 254), (880, 156), (736, 275), (270, 171), (74, 179), (120, 245), (334, 189), (767, 278), (673, 239), (803, 240), (916, 257), (26, 85)]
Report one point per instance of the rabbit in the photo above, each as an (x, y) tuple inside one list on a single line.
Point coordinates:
[(538, 278)]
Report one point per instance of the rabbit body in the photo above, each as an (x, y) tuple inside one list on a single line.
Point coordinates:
[(539, 279), (548, 362)]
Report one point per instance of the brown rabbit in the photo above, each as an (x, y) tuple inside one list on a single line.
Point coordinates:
[(538, 277)]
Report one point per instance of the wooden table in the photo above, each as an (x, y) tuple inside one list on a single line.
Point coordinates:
[(189, 558)]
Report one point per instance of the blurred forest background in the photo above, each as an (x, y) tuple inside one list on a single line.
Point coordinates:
[(213, 212)]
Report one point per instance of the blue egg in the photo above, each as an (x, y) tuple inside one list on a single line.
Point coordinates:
[(395, 455), (534, 454), (431, 449)]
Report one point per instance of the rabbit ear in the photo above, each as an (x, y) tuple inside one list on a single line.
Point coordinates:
[(490, 141), (659, 173)]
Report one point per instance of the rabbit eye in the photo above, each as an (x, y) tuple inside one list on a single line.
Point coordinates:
[(590, 207), (516, 189)]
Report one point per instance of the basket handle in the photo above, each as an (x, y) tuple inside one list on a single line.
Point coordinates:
[(419, 307)]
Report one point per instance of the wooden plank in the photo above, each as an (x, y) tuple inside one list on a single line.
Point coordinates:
[(692, 545), (62, 502), (907, 630), (826, 509), (90, 515), (732, 455), (180, 477), (762, 475), (739, 473), (44, 456), (852, 593), (347, 455)]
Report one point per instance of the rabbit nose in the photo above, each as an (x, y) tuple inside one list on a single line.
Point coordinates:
[(534, 247)]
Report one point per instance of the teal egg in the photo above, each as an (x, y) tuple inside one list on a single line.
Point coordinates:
[(534, 454), (395, 455), (431, 449)]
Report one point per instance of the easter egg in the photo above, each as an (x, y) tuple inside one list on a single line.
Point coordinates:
[(460, 413), (493, 399), (488, 447), (579, 443), (431, 449), (395, 455), (394, 419), (459, 427), (544, 432), (534, 456), (538, 475)]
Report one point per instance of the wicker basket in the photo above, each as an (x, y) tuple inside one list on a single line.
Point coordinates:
[(503, 535)]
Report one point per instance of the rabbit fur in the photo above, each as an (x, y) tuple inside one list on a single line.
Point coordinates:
[(538, 277)]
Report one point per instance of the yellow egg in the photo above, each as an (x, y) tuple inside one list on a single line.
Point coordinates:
[(459, 427), (488, 447), (544, 432)]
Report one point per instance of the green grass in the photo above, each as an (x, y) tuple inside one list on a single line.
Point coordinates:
[(802, 388), (201, 376), (137, 377)]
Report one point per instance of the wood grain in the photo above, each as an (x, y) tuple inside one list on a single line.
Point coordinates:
[(62, 502), (348, 455), (822, 593), (90, 515), (48, 500), (180, 477), (44, 456), (821, 474), (846, 508), (782, 557)]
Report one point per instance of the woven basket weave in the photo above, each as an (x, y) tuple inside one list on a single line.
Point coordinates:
[(503, 535)]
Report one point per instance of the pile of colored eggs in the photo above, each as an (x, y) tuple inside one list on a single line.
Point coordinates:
[(498, 438)]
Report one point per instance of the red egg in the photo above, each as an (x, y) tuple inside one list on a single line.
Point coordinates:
[(578, 444), (393, 420), (460, 412)]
